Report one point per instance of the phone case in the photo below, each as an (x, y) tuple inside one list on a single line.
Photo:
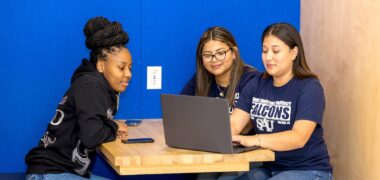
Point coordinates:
[(139, 140), (133, 122)]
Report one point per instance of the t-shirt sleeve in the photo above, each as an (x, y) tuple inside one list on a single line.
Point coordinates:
[(311, 102), (245, 100), (91, 110), (189, 88)]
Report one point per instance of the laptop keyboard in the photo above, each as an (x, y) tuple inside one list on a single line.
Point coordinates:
[(241, 148)]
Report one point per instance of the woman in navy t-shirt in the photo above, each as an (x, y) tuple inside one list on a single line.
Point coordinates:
[(220, 73), (220, 70), (286, 107)]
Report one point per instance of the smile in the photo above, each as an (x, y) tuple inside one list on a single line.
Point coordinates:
[(216, 66), (124, 83)]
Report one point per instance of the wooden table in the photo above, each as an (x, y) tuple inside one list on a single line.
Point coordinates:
[(158, 158)]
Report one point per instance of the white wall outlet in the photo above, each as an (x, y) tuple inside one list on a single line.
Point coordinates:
[(154, 77)]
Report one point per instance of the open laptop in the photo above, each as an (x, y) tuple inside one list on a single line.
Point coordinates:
[(198, 123)]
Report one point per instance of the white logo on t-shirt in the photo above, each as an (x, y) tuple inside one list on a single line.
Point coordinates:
[(265, 113)]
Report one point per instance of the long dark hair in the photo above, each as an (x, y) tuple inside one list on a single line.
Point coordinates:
[(103, 36), (291, 37), (203, 77)]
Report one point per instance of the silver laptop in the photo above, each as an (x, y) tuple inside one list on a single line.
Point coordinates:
[(198, 123)]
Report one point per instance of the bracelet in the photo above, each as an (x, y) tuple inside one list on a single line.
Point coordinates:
[(258, 137)]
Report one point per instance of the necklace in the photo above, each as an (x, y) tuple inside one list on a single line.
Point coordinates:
[(221, 93)]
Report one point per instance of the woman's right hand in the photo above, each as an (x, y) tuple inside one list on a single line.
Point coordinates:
[(122, 129), (247, 141)]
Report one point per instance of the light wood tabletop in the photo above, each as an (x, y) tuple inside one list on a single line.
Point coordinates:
[(158, 158)]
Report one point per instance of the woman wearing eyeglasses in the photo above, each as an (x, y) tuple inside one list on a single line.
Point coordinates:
[(220, 72)]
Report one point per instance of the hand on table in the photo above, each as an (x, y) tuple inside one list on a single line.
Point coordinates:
[(122, 130), (247, 141)]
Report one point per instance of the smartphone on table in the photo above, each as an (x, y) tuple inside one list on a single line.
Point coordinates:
[(133, 122), (138, 140)]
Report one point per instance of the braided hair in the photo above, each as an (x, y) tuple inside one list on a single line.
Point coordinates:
[(103, 36)]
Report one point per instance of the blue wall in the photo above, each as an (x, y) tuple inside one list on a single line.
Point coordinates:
[(41, 44)]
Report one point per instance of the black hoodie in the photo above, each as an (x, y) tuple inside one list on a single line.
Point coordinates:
[(83, 121)]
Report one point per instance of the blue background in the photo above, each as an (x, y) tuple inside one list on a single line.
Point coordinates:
[(41, 44)]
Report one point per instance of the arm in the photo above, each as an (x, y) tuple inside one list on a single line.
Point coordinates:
[(292, 139), (239, 119), (122, 129), (240, 116), (91, 104)]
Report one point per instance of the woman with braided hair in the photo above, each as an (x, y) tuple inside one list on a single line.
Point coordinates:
[(84, 116)]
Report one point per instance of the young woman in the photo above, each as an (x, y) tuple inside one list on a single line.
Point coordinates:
[(220, 72), (84, 117), (286, 108)]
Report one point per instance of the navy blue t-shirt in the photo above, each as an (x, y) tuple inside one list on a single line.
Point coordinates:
[(248, 74), (275, 109)]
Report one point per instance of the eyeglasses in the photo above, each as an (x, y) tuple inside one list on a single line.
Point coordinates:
[(219, 56)]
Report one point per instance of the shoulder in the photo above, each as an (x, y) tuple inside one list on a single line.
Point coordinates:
[(262, 81), (249, 73), (189, 88), (308, 83), (308, 88), (89, 79), (192, 79), (89, 90), (89, 83)]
